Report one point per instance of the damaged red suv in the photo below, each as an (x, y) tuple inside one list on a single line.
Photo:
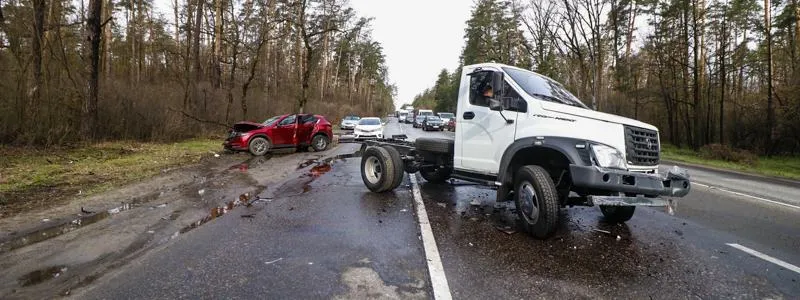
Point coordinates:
[(285, 131)]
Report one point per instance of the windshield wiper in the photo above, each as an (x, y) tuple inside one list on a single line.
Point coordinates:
[(556, 99)]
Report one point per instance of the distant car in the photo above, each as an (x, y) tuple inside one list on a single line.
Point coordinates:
[(418, 121), (349, 122), (284, 131), (432, 123), (446, 116), (369, 128), (402, 117)]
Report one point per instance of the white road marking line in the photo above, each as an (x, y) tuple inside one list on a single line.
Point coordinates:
[(441, 290), (746, 195), (768, 258)]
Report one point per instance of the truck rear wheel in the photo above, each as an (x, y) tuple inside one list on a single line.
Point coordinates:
[(397, 161), (536, 200), (435, 175), (377, 169), (617, 214)]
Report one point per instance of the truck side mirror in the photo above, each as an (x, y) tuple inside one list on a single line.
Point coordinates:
[(498, 84), (495, 105)]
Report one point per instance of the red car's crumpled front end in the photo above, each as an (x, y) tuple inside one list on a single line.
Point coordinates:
[(239, 135)]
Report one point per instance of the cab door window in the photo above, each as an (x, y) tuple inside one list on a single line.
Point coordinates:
[(288, 120)]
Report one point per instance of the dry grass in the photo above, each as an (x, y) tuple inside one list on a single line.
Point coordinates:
[(30, 173), (786, 167)]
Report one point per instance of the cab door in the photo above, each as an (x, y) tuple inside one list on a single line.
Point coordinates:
[(483, 134), (305, 128), (283, 134)]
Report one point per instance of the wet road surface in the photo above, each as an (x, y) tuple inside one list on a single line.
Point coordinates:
[(322, 234), (653, 256)]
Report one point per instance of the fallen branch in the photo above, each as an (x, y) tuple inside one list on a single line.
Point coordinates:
[(187, 115)]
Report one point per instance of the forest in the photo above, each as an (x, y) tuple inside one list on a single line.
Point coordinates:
[(724, 73), (76, 71)]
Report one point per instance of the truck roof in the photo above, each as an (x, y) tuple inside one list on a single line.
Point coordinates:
[(499, 65)]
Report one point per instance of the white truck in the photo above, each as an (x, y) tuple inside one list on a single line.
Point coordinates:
[(539, 146)]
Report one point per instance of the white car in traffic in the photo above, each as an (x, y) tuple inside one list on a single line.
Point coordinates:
[(371, 127)]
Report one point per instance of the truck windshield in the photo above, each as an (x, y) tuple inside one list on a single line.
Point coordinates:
[(446, 115), (543, 88), (426, 113)]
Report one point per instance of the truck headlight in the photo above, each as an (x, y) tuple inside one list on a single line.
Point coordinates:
[(608, 157)]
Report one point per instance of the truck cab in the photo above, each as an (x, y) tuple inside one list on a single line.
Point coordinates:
[(535, 142)]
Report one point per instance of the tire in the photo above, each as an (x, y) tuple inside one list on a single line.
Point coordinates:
[(377, 169), (437, 175), (399, 173), (536, 201), (617, 214), (436, 145), (320, 142), (259, 146)]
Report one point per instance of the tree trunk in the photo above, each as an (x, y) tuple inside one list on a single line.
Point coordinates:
[(770, 108), (107, 37), (140, 41), (89, 111), (197, 32), (36, 45), (219, 20), (723, 76), (195, 93)]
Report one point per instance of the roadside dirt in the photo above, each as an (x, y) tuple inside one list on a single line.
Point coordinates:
[(155, 211)]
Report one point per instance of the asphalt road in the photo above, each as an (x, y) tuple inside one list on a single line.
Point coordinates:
[(322, 234)]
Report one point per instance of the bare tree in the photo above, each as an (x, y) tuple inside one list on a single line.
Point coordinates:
[(89, 120)]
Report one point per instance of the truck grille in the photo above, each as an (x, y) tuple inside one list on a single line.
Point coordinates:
[(641, 146)]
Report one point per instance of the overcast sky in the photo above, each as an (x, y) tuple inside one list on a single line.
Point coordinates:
[(419, 38)]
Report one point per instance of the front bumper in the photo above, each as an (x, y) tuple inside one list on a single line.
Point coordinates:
[(639, 188), (367, 135), (237, 143)]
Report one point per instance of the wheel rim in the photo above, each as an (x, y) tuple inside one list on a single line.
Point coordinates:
[(321, 143), (260, 145), (372, 169), (528, 202)]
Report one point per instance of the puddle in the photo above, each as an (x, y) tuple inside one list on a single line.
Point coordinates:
[(216, 212), (253, 161), (39, 276), (330, 160)]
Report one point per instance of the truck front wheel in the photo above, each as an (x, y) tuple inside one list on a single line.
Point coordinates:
[(617, 214), (536, 200)]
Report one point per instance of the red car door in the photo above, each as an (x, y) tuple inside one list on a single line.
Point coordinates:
[(283, 133), (305, 129)]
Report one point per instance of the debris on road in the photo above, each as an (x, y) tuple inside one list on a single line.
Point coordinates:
[(506, 229), (201, 192), (403, 210), (83, 210), (273, 261), (471, 245), (619, 238), (475, 202), (602, 231), (249, 216), (45, 220)]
